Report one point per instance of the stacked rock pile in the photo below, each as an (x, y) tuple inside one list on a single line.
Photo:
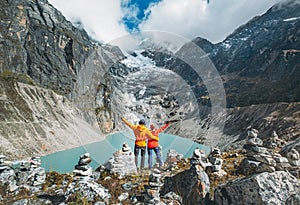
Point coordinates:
[(262, 159), (82, 169), (274, 141), (3, 165), (7, 174), (216, 163), (153, 187), (84, 183), (212, 164), (122, 162), (38, 173), (22, 173)]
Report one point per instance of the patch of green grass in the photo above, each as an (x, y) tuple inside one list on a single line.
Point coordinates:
[(77, 199), (18, 77), (54, 178), (102, 108)]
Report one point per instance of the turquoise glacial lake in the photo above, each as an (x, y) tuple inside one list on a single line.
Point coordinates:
[(64, 161)]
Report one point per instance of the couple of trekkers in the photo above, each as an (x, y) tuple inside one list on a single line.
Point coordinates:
[(142, 134)]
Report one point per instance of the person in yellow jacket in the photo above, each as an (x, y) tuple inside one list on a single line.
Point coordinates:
[(141, 133)]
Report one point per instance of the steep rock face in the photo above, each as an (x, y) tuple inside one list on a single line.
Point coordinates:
[(40, 47), (266, 188), (37, 121), (37, 40)]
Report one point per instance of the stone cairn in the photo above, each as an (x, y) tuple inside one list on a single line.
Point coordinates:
[(261, 159), (122, 162), (212, 164), (84, 182), (274, 141), (22, 173), (82, 169), (199, 158), (7, 174), (216, 163), (199, 162), (152, 195), (36, 175), (3, 164)]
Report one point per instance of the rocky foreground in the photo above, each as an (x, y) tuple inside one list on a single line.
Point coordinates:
[(256, 174)]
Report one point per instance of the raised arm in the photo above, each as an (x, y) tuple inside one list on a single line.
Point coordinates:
[(159, 130), (132, 126)]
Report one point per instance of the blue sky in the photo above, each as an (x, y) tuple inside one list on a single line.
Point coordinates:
[(107, 20), (132, 22)]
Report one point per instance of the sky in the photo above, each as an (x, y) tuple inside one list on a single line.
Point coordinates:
[(106, 20)]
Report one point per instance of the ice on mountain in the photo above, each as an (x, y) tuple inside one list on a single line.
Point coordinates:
[(142, 91), (139, 61), (244, 39), (226, 44), (291, 19)]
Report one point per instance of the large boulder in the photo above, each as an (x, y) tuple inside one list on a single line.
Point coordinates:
[(266, 188), (192, 184), (87, 189)]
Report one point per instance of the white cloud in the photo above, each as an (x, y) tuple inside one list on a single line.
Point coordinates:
[(192, 18), (100, 18)]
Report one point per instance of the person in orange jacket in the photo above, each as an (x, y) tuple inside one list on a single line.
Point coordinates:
[(153, 144), (141, 133)]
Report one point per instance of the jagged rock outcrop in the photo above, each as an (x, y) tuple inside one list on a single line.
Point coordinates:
[(37, 40), (266, 188), (192, 184)]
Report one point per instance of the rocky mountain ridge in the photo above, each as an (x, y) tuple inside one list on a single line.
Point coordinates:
[(258, 62), (270, 42)]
